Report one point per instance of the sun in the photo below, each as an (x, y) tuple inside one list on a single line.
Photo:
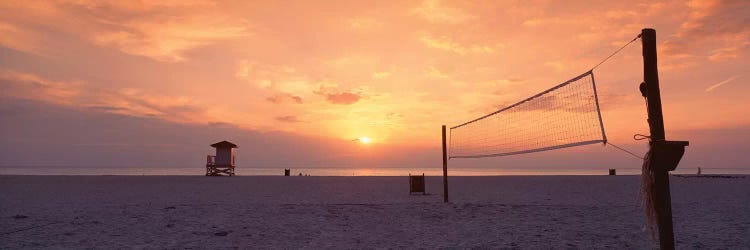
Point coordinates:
[(364, 140)]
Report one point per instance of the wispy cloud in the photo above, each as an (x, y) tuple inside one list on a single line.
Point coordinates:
[(81, 94), (447, 44), (719, 84), (169, 39), (363, 24), (436, 11), (434, 72), (557, 65), (720, 25), (21, 39), (163, 31), (381, 74), (278, 78), (728, 53)]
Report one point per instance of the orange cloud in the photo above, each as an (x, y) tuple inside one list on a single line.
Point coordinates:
[(344, 98), (21, 39), (334, 95), (80, 94), (288, 119), (283, 97), (168, 40), (163, 31), (719, 25)]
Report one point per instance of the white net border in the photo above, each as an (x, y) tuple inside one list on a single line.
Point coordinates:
[(566, 115)]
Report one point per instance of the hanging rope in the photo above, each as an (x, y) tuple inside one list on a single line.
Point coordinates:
[(646, 195)]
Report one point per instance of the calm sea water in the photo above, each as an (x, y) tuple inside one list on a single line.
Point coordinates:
[(199, 170)]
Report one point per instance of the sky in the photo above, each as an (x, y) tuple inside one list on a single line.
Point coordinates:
[(153, 83)]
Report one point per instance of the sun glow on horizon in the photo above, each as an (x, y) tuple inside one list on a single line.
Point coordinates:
[(365, 140)]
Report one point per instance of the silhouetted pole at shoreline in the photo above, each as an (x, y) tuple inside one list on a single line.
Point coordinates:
[(445, 169)]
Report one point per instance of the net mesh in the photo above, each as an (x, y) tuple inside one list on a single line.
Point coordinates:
[(566, 115)]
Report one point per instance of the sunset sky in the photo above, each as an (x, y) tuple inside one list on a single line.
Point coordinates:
[(153, 83)]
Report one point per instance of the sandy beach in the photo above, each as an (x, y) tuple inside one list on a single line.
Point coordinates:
[(361, 212)]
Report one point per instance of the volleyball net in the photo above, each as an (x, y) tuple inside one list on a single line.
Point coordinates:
[(566, 115)]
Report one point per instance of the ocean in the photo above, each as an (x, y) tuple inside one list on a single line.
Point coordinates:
[(341, 171)]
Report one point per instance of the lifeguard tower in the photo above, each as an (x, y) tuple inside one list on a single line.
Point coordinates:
[(221, 164)]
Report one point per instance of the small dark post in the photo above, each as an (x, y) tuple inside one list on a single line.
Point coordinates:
[(287, 171), (445, 169), (612, 171), (662, 199), (416, 184)]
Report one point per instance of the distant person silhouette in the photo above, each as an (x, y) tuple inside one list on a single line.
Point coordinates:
[(699, 170)]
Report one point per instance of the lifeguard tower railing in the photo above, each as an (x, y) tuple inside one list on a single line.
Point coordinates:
[(218, 170), (211, 160)]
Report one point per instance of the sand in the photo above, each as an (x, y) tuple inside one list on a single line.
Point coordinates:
[(361, 212)]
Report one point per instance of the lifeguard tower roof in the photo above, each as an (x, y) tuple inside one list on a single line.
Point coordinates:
[(224, 144)]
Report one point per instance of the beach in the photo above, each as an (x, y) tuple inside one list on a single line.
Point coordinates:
[(362, 212)]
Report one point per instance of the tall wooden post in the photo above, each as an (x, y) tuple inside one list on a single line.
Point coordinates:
[(662, 199), (445, 169), (651, 78)]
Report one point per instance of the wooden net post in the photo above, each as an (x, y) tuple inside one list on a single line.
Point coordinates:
[(661, 196), (445, 169)]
